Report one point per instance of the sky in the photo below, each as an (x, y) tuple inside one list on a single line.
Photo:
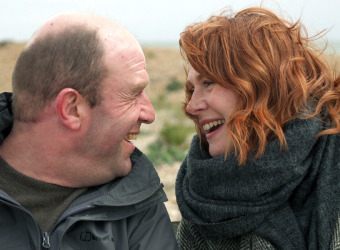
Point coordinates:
[(159, 21)]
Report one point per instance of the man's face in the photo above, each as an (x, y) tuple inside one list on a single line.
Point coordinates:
[(124, 107)]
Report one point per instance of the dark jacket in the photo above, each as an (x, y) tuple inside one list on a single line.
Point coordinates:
[(127, 213)]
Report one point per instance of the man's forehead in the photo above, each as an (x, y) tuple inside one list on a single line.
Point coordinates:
[(129, 58), (137, 64)]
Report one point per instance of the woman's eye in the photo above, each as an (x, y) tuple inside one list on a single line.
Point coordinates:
[(208, 83)]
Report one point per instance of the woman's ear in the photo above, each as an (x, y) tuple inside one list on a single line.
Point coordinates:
[(70, 107)]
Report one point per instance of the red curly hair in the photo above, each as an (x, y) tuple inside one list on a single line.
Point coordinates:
[(273, 67)]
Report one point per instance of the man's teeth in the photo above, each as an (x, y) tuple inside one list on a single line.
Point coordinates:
[(209, 125), (131, 137)]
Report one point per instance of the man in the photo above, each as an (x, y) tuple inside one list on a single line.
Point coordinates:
[(70, 178)]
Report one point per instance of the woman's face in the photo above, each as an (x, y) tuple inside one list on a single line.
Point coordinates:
[(212, 105)]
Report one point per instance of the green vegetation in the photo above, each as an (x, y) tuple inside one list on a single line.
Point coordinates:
[(174, 134), (149, 54), (173, 139), (174, 85), (4, 43), (161, 102), (164, 153), (172, 144)]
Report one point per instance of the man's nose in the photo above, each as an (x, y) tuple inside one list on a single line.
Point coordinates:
[(147, 113)]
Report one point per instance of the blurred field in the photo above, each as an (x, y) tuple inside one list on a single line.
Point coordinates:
[(164, 66)]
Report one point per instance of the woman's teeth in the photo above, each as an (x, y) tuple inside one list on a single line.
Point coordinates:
[(130, 137), (207, 127)]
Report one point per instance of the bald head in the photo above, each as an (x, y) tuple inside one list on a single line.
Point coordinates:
[(68, 51), (105, 27)]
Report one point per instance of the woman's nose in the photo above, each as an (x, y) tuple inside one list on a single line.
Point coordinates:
[(196, 104)]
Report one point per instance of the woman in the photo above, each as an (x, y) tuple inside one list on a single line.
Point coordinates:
[(264, 170)]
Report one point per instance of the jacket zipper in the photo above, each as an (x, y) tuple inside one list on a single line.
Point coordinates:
[(45, 235), (46, 240)]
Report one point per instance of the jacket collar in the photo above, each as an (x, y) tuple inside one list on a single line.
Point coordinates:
[(6, 115)]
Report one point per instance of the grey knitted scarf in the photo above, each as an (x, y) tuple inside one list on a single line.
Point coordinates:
[(290, 198)]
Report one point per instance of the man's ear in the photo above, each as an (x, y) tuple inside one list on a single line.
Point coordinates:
[(70, 107)]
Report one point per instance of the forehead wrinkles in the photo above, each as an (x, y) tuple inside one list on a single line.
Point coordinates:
[(132, 59), (136, 64), (125, 59)]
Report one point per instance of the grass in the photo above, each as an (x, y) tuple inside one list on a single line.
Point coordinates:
[(174, 85), (171, 144)]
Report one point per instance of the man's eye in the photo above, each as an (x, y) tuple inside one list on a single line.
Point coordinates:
[(138, 94)]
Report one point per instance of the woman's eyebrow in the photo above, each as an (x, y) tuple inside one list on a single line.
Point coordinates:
[(197, 78)]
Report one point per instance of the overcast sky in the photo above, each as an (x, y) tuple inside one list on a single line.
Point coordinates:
[(158, 20)]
